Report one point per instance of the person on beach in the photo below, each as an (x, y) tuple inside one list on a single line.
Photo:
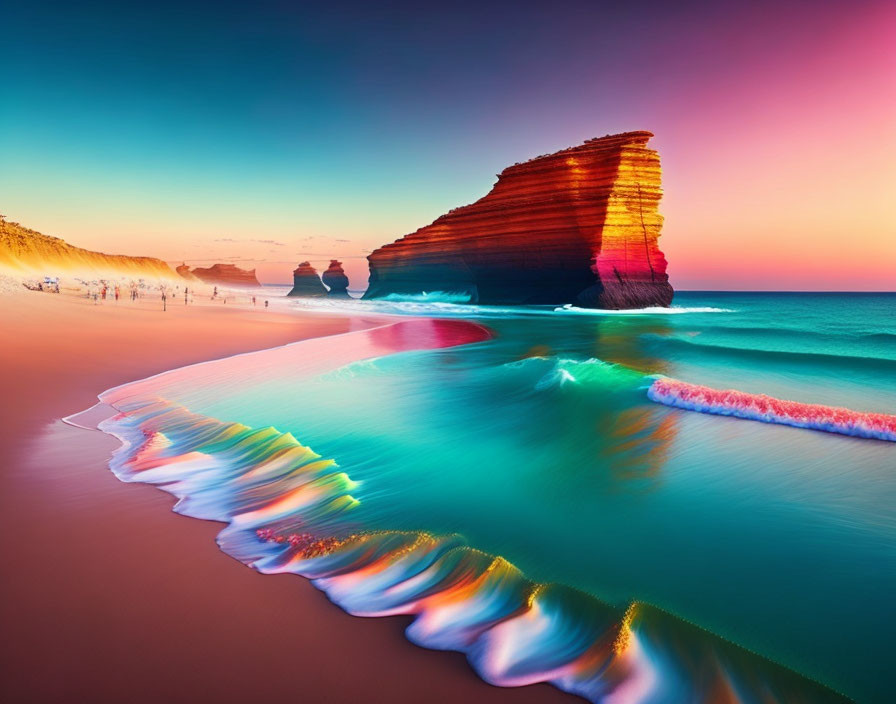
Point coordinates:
[(215, 293), (253, 300), (265, 304), (117, 293), (186, 292), (164, 301)]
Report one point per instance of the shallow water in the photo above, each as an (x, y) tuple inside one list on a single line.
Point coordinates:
[(541, 446)]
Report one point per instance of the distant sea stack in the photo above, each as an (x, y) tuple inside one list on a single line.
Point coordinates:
[(579, 226), (226, 275), (306, 282), (27, 252), (184, 272), (335, 279)]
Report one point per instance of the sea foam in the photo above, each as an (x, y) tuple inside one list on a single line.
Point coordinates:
[(655, 310), (767, 409), (441, 304)]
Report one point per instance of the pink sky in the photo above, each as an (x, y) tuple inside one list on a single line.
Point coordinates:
[(782, 172)]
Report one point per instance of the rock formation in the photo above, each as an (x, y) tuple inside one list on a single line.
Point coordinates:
[(335, 279), (306, 282), (25, 251), (226, 275), (579, 226), (184, 272)]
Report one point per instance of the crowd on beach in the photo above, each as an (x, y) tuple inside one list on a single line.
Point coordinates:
[(99, 291), (103, 289), (48, 284)]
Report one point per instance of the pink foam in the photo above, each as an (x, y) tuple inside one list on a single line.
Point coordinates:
[(767, 409)]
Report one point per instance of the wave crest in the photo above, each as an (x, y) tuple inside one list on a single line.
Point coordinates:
[(290, 510), (768, 409)]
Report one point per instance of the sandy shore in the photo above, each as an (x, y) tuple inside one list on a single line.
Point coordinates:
[(108, 596)]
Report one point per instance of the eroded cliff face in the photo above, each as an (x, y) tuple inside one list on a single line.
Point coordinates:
[(306, 282), (25, 252), (335, 279), (226, 275), (579, 226)]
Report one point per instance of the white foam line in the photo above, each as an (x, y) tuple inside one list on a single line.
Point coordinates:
[(68, 420)]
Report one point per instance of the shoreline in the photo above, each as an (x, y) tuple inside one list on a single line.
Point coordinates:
[(113, 597)]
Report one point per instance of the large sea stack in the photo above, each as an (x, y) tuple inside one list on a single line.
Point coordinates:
[(335, 279), (306, 282), (579, 226), (226, 275)]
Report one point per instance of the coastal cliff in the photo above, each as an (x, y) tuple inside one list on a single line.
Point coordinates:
[(335, 279), (306, 282), (578, 226), (25, 251), (226, 275)]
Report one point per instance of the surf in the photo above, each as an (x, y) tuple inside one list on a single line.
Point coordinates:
[(289, 510), (767, 409)]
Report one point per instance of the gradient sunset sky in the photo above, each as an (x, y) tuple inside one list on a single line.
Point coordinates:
[(265, 133)]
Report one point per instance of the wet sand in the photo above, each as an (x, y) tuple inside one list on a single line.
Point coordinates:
[(105, 595)]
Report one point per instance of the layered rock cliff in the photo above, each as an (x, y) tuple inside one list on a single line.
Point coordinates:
[(306, 282), (27, 252), (335, 279), (226, 275), (579, 226)]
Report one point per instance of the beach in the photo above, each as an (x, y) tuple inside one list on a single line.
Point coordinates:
[(109, 596)]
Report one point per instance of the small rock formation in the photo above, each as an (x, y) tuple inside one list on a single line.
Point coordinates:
[(25, 251), (184, 272), (335, 279), (306, 282), (226, 275), (579, 226)]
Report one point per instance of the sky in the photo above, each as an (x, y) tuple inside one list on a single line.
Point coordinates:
[(267, 133)]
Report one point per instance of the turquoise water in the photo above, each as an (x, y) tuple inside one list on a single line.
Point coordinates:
[(540, 445)]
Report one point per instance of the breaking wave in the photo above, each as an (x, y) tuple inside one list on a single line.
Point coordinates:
[(290, 510), (558, 372), (609, 377), (831, 419)]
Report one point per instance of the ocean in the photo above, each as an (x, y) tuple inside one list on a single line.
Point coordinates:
[(519, 492)]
